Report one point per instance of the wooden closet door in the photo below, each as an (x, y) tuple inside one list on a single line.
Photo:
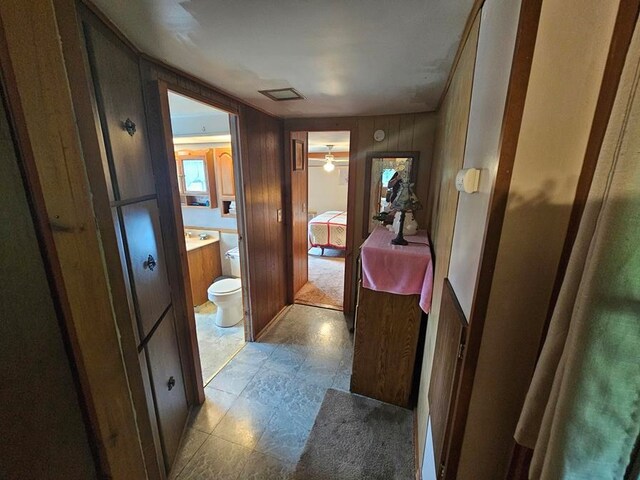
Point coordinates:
[(118, 90), (447, 367), (299, 209), (145, 253), (168, 386)]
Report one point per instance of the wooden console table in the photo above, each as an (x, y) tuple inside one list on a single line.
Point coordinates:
[(387, 324)]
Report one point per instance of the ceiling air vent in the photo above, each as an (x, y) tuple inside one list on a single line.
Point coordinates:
[(282, 94)]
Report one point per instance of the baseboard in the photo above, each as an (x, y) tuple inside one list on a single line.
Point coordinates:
[(273, 321)]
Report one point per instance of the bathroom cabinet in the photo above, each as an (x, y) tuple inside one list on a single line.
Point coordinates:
[(204, 267), (196, 177), (225, 182)]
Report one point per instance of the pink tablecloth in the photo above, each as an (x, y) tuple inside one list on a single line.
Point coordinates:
[(404, 270)]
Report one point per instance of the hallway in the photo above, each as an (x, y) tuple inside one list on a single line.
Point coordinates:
[(260, 408)]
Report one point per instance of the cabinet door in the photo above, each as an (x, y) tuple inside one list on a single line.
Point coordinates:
[(224, 174), (145, 255), (118, 89), (168, 386)]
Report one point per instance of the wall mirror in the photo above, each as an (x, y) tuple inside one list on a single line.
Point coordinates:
[(384, 174)]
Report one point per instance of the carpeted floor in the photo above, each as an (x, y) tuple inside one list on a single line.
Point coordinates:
[(325, 287), (356, 438)]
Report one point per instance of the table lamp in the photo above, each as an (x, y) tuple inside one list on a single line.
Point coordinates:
[(405, 201)]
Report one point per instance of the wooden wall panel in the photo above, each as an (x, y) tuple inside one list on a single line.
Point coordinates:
[(448, 157), (262, 165)]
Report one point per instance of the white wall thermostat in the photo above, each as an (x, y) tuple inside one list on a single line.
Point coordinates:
[(468, 180), (378, 135)]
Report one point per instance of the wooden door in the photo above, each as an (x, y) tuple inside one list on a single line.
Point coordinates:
[(129, 173), (146, 259), (168, 386), (298, 170), (445, 377)]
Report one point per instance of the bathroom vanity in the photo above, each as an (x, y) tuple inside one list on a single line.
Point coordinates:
[(204, 265)]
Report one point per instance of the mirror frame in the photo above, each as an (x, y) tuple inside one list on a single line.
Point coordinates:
[(367, 179)]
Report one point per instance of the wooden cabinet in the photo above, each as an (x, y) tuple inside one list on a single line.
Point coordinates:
[(196, 177), (129, 172), (387, 328), (204, 267), (146, 261), (168, 386), (225, 180)]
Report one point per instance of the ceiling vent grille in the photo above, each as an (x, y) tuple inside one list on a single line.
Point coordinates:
[(282, 94)]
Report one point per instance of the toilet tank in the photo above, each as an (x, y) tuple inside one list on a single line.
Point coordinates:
[(234, 258)]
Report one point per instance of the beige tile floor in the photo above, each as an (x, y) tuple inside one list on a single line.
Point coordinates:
[(260, 408), (217, 345)]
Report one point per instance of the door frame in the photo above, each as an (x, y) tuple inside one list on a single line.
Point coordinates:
[(346, 124), (171, 215)]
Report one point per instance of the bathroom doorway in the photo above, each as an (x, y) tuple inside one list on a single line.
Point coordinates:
[(205, 146)]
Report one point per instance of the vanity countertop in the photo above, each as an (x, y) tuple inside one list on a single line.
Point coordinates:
[(194, 243)]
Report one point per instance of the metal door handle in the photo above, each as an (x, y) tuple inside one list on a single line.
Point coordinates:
[(129, 126), (171, 383), (150, 263)]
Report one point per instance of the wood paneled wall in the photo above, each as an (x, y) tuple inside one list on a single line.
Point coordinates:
[(448, 157), (262, 166)]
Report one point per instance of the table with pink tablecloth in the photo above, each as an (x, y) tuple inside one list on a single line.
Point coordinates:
[(399, 269)]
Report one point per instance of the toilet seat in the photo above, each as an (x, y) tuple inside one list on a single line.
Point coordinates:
[(226, 286)]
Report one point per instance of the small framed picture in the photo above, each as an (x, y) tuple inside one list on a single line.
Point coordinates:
[(298, 154)]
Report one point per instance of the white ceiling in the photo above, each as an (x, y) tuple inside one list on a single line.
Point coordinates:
[(347, 57)]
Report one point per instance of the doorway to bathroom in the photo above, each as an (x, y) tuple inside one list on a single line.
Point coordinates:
[(322, 163), (205, 146)]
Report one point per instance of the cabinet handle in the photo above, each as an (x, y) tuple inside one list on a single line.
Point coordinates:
[(171, 383), (150, 263), (129, 126)]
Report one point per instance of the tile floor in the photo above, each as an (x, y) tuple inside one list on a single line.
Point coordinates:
[(260, 408), (217, 345)]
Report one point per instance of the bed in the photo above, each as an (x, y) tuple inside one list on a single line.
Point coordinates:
[(329, 230)]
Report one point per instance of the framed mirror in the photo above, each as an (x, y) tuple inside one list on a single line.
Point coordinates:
[(384, 174)]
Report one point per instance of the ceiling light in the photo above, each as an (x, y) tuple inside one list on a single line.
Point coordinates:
[(281, 94), (329, 166)]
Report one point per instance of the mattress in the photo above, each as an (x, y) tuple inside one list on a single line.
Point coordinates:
[(329, 229)]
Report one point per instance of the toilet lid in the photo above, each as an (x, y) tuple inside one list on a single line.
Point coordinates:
[(225, 286)]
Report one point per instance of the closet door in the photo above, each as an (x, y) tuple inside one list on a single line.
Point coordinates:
[(168, 386), (129, 172)]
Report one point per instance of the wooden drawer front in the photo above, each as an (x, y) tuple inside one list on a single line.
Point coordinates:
[(118, 89), (386, 338), (150, 284), (168, 386)]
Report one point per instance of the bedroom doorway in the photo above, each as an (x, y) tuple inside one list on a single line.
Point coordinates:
[(324, 206)]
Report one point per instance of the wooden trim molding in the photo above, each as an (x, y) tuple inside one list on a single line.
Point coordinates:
[(511, 123)]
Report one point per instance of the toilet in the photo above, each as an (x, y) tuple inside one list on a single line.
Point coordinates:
[(226, 294)]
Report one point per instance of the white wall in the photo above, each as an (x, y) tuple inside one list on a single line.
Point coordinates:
[(498, 29), (326, 192), (207, 218)]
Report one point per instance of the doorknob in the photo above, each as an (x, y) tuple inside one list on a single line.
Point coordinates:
[(150, 263), (171, 383)]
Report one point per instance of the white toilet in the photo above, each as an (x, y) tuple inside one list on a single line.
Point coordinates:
[(226, 294)]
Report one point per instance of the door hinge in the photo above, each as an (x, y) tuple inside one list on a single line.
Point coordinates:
[(461, 350), (443, 470)]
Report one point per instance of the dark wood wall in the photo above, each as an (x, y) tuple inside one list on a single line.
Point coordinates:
[(261, 147)]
